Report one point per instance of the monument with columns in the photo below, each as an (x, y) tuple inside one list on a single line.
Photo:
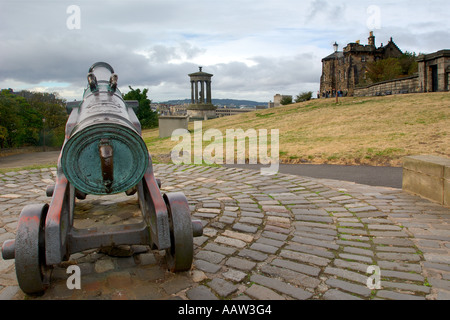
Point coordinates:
[(201, 107)]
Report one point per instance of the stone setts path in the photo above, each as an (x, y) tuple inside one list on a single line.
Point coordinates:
[(265, 238)]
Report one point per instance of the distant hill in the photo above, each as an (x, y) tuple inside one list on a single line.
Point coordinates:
[(221, 102)]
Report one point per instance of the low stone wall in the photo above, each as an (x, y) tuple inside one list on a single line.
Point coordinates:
[(428, 177), (396, 86)]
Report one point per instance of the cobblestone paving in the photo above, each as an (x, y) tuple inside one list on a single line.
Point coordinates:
[(265, 238)]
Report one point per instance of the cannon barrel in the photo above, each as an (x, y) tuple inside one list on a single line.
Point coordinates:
[(104, 152)]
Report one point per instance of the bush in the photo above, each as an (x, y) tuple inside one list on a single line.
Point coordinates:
[(286, 100), (304, 96)]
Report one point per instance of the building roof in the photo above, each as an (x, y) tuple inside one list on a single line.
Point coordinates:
[(357, 47), (334, 55), (391, 43), (434, 55), (200, 73)]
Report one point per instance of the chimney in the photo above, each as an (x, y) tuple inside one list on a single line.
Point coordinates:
[(371, 39)]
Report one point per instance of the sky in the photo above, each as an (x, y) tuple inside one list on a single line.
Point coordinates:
[(254, 48)]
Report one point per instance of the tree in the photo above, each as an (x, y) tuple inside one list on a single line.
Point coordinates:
[(383, 70), (304, 96), (285, 100), (147, 117), (11, 119), (408, 62), (49, 107), (21, 119), (392, 68), (3, 135)]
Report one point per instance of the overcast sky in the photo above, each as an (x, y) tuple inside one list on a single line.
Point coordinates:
[(254, 48)]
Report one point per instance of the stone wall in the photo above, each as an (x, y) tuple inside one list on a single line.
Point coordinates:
[(396, 86), (429, 177)]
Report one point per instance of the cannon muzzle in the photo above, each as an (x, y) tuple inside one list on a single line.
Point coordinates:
[(104, 152)]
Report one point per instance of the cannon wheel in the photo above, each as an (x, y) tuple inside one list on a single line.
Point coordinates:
[(180, 254), (31, 270)]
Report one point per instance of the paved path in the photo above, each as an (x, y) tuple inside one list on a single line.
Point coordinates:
[(373, 176), (265, 238), (28, 159)]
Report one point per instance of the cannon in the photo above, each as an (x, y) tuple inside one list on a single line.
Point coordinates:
[(103, 154)]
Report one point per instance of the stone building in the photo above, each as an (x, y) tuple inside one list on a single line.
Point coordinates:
[(277, 99), (434, 71), (201, 107), (346, 69)]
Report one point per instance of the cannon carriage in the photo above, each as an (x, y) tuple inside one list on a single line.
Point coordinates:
[(103, 154)]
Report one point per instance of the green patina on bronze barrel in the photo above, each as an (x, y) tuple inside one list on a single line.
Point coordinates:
[(104, 152)]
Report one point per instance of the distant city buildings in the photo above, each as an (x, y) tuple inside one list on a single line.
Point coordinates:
[(221, 111)]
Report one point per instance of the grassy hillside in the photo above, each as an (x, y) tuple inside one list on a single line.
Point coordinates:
[(367, 130)]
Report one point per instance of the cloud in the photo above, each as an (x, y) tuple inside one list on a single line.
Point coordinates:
[(255, 49), (171, 54), (322, 11)]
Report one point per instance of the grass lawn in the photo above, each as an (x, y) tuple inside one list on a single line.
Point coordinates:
[(367, 130)]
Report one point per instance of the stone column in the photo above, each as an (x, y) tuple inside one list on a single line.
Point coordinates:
[(208, 92), (429, 79), (442, 79), (192, 92), (196, 92), (202, 95)]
